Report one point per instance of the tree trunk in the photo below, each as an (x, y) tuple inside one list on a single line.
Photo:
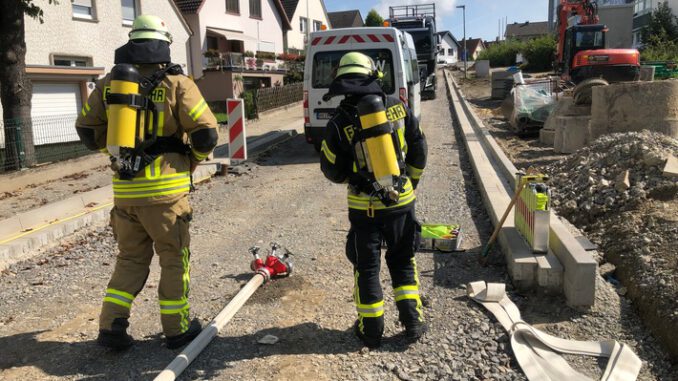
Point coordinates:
[(15, 88)]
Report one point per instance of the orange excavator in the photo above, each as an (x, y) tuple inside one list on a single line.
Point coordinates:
[(581, 53)]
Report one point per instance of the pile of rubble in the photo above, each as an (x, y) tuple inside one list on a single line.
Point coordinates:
[(616, 172), (623, 191)]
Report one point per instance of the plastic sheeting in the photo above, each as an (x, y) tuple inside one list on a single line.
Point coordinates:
[(533, 103)]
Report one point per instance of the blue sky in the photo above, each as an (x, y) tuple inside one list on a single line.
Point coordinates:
[(482, 16)]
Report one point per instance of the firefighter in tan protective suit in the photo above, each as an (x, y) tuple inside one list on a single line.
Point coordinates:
[(153, 153)]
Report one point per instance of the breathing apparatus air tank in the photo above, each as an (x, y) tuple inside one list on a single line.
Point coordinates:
[(378, 145), (123, 121)]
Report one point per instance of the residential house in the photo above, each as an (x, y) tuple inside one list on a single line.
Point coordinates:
[(527, 30), (74, 46), (449, 48), (346, 19), (305, 16), (618, 17), (234, 44), (642, 13), (474, 47)]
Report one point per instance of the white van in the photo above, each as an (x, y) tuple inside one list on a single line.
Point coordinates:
[(392, 51)]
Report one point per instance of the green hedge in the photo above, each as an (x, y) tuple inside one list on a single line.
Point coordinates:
[(538, 52)]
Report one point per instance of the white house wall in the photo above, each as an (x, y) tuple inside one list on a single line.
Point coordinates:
[(295, 38), (448, 44), (62, 35), (212, 14)]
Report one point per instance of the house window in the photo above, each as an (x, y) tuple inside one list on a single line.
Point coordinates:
[(255, 9), (84, 9), (642, 6), (303, 23), (71, 61), (130, 11), (450, 52), (317, 25), (233, 6)]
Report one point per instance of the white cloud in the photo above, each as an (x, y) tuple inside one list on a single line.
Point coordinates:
[(443, 7)]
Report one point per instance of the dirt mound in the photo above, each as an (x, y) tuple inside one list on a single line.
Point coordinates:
[(614, 189)]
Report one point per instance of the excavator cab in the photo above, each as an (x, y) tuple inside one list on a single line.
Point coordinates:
[(585, 56)]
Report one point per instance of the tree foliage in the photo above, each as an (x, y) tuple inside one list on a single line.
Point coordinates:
[(538, 52), (663, 26), (374, 19), (660, 37)]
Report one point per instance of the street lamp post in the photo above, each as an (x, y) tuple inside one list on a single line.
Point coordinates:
[(463, 8)]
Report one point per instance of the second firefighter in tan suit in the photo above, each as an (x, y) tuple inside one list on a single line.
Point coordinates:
[(151, 211)]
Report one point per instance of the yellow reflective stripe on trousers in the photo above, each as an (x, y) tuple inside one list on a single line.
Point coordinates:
[(118, 297), (406, 292), (370, 310), (329, 155), (419, 308), (186, 279), (173, 307), (197, 111), (163, 185)]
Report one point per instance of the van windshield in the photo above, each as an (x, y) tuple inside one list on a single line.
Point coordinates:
[(325, 65)]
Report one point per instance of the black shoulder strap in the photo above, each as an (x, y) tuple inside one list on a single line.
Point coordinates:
[(148, 84)]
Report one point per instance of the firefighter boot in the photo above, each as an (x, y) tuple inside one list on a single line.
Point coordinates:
[(174, 342), (370, 342), (116, 338)]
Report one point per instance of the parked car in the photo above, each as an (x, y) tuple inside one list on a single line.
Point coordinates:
[(392, 51)]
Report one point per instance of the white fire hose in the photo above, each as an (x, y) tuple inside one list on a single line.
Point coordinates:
[(273, 266), (537, 352)]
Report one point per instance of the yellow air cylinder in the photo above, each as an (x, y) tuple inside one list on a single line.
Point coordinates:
[(122, 117), (381, 153)]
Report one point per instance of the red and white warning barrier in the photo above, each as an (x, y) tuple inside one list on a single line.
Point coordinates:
[(237, 142), (348, 38)]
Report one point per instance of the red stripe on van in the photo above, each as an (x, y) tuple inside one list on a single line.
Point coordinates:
[(316, 41), (373, 38), (329, 40), (358, 38), (388, 37), (344, 39)]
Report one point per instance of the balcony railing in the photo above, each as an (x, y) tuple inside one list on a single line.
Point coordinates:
[(238, 61)]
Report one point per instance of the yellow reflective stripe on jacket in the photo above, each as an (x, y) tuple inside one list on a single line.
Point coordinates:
[(198, 110), (85, 109), (199, 155), (362, 201), (118, 297), (172, 307), (414, 172), (329, 155), (406, 292), (370, 310), (142, 187)]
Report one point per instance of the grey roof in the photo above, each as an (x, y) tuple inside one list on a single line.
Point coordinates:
[(527, 29), (447, 32), (346, 19), (290, 7), (188, 6)]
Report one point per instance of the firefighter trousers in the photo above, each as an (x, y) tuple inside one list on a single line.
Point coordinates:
[(400, 230), (139, 230)]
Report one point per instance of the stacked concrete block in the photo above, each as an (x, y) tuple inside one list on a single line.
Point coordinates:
[(635, 106)]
